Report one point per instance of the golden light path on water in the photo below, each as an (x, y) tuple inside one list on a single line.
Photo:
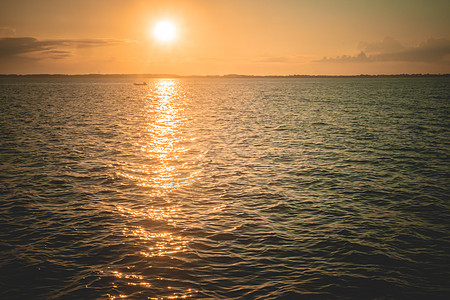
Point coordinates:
[(162, 166), (164, 142)]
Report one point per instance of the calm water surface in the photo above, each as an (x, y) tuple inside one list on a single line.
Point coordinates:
[(224, 188)]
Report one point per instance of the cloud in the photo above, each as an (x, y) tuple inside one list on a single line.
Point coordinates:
[(288, 59), (58, 54), (274, 59), (7, 31), (390, 50), (388, 44), (32, 48), (204, 60), (361, 57)]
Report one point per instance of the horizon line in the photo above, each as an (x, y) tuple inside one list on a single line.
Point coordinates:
[(168, 75)]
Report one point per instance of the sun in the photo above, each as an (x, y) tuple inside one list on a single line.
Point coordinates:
[(165, 31)]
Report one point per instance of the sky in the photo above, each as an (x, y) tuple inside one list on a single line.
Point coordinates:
[(217, 37)]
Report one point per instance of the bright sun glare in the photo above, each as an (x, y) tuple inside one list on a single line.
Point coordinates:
[(165, 31)]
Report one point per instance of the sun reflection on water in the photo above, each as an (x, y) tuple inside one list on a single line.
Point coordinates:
[(149, 213), (165, 142), (163, 162)]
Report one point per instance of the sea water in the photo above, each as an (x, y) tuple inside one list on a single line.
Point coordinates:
[(224, 188)]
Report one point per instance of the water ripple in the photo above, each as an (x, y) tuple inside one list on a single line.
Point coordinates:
[(230, 188)]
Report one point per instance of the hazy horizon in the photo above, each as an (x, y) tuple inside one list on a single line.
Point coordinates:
[(158, 75)]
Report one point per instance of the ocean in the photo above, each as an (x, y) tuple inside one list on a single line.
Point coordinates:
[(225, 188)]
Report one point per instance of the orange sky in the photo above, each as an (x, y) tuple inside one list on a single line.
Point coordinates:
[(261, 37)]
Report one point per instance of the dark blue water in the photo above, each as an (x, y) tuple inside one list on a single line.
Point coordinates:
[(224, 188)]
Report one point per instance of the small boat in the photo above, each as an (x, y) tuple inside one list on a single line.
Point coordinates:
[(143, 83)]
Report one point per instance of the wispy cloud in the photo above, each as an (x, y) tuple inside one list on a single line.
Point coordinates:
[(204, 60), (388, 44), (290, 59), (390, 50), (273, 59), (7, 31), (32, 48)]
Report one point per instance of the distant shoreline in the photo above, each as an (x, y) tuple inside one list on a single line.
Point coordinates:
[(216, 76)]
